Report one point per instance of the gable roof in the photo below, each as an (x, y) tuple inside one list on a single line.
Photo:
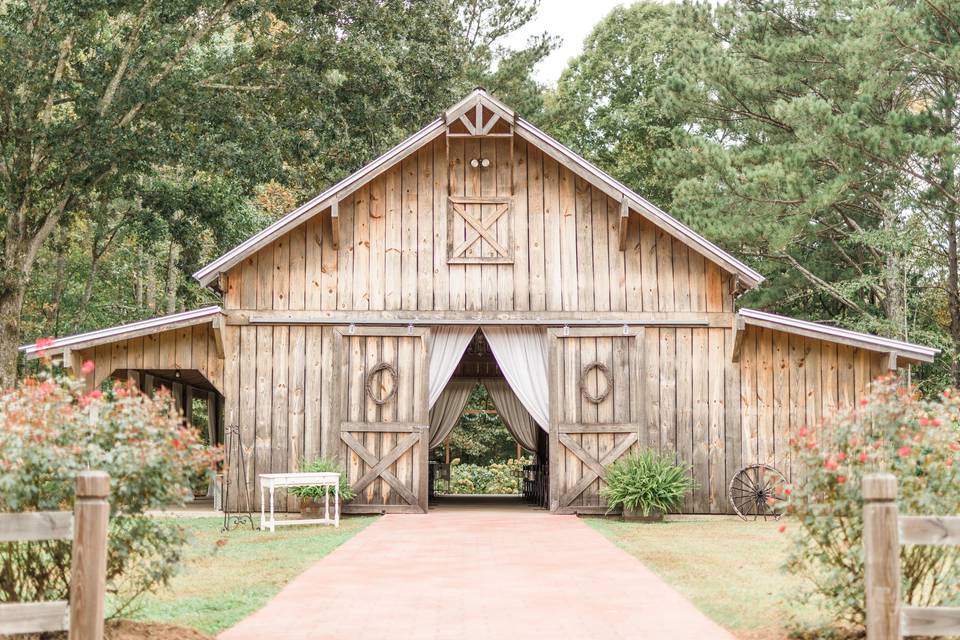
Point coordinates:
[(126, 331), (526, 130), (906, 350)]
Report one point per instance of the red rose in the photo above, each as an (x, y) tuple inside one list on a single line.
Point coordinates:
[(903, 452), (87, 367), (177, 444), (787, 491), (864, 402), (782, 528), (924, 422), (841, 479), (863, 457), (96, 394), (949, 462), (803, 432), (936, 422), (841, 456), (830, 465)]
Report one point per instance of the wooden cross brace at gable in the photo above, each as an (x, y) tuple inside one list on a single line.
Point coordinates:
[(478, 227)]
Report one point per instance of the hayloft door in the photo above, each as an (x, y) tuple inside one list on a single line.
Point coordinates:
[(383, 416), (596, 410)]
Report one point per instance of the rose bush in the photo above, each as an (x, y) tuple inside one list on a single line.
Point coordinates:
[(891, 430), (49, 431)]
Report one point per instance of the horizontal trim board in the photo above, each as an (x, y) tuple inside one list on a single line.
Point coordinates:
[(553, 319), (34, 617), (930, 621), (932, 530), (36, 525), (384, 427), (381, 332), (366, 509), (598, 428)]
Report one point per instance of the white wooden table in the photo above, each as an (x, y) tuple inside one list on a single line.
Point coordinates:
[(272, 481)]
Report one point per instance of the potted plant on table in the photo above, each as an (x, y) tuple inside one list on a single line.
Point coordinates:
[(312, 498), (646, 485)]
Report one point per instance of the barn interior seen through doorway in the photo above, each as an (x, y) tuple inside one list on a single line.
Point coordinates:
[(488, 452)]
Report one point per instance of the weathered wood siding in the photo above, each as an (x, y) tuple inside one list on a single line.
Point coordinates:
[(393, 246), (191, 347), (392, 256)]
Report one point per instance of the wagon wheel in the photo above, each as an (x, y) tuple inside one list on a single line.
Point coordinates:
[(756, 491)]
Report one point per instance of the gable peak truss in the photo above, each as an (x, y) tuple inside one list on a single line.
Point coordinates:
[(480, 114)]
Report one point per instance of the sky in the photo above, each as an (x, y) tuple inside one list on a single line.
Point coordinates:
[(572, 20)]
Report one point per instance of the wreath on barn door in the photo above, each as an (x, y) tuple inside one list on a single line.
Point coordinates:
[(604, 373), (380, 368)]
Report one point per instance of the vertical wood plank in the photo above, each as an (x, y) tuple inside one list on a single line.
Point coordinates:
[(535, 214), (361, 248), (701, 420), (441, 272), (685, 405), (568, 240), (506, 225), (521, 229), (716, 365), (648, 261), (616, 259), (408, 239), (552, 226), (457, 178), (425, 221), (345, 268), (765, 409)]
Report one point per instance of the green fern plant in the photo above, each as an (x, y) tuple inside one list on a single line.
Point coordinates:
[(648, 482), (324, 465)]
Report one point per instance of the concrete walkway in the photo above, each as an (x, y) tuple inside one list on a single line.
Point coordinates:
[(477, 573)]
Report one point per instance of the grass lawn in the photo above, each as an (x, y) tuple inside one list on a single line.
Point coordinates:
[(219, 585), (730, 569)]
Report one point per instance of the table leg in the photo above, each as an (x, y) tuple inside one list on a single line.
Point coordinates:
[(273, 520), (261, 508), (336, 505), (326, 503)]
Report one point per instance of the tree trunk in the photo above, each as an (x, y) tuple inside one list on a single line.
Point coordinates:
[(172, 276), (60, 284), (149, 273), (11, 302)]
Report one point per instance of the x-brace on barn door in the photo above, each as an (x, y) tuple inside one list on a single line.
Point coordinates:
[(595, 410), (382, 383)]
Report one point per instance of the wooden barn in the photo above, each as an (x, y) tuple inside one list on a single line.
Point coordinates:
[(480, 248)]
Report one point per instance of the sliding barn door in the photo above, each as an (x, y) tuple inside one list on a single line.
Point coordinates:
[(596, 411), (383, 417)]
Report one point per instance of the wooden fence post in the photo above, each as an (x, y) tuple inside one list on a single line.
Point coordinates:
[(881, 549), (88, 570)]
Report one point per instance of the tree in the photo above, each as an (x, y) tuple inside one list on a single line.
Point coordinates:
[(100, 100), (792, 153), (606, 104)]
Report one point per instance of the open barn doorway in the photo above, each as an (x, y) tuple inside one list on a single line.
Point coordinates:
[(486, 450)]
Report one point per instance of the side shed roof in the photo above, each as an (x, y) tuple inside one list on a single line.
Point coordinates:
[(907, 351), (126, 331)]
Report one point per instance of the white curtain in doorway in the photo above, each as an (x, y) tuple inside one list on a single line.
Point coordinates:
[(447, 345), (449, 408), (519, 423), (521, 353)]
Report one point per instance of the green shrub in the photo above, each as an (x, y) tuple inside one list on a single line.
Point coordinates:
[(324, 465), (50, 430), (498, 478), (891, 430), (646, 481)]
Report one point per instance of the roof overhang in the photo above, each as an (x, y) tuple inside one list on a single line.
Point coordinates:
[(126, 331), (631, 201), (904, 352)]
